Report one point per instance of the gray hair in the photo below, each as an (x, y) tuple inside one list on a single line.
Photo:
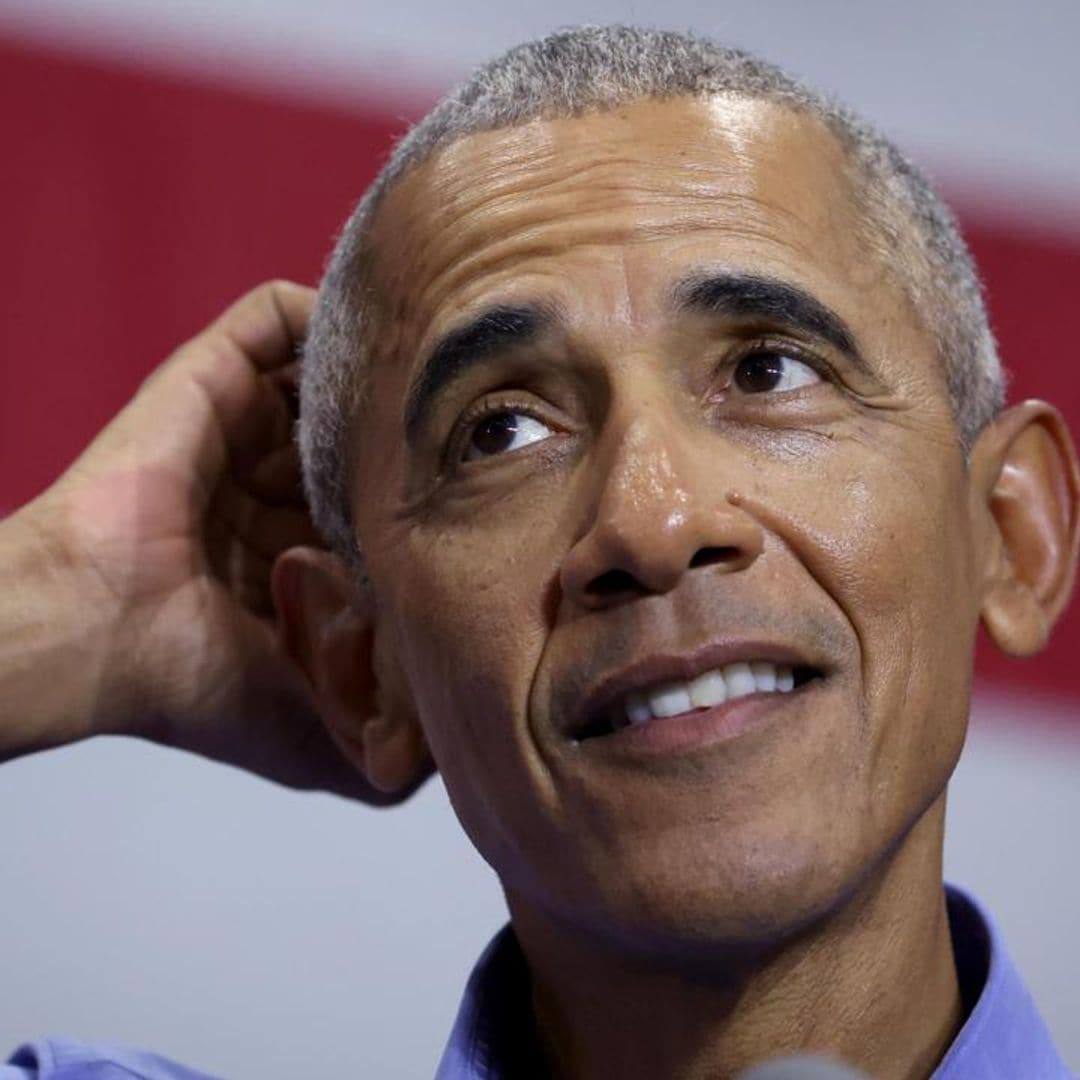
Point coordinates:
[(587, 69)]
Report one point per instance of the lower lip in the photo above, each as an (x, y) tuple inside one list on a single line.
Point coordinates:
[(696, 730)]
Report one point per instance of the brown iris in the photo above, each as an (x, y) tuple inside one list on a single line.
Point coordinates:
[(759, 373), (495, 434)]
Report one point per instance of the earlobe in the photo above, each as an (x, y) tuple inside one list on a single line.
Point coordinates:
[(329, 627), (1031, 491)]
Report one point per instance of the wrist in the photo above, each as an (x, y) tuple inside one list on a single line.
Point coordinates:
[(55, 629)]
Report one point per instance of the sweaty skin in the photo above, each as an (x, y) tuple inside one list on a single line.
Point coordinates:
[(688, 912)]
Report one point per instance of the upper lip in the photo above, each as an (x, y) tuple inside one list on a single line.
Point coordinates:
[(611, 688)]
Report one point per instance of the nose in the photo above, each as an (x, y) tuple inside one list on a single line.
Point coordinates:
[(660, 509)]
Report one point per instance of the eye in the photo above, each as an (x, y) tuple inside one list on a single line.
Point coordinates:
[(501, 432), (771, 370)]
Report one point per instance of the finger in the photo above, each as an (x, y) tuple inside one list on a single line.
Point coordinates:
[(265, 530), (215, 416), (239, 568), (263, 329), (256, 421), (287, 380), (221, 401), (276, 478), (268, 323), (246, 405), (246, 362), (243, 573)]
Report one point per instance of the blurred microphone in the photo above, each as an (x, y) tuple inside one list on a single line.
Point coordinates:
[(802, 1068)]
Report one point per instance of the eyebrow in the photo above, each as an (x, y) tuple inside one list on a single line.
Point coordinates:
[(481, 339), (750, 296), (497, 330)]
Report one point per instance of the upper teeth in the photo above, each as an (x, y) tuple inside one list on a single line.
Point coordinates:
[(710, 688)]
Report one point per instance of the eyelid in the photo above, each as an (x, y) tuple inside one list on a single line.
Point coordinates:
[(489, 405), (795, 350), (497, 401)]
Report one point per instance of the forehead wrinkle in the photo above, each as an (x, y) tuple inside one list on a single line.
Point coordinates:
[(520, 215), (547, 152), (428, 273), (707, 141), (530, 248), (586, 175), (522, 187), (633, 181)]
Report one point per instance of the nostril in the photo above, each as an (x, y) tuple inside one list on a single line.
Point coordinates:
[(617, 583), (613, 583), (708, 556)]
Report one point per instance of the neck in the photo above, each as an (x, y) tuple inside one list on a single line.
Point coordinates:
[(872, 983)]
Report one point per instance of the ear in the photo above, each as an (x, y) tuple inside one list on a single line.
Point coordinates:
[(330, 629), (1025, 469)]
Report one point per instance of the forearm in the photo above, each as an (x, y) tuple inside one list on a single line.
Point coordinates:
[(53, 647)]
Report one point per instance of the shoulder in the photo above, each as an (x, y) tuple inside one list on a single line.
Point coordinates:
[(65, 1059)]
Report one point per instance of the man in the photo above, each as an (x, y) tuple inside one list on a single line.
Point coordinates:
[(651, 415)]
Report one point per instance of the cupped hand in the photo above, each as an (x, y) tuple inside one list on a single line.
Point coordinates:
[(170, 522)]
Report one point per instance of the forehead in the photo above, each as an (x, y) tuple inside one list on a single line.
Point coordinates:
[(602, 211)]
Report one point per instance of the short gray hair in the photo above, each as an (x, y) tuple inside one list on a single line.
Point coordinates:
[(587, 69)]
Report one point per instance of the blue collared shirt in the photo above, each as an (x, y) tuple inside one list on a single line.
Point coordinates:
[(1003, 1038)]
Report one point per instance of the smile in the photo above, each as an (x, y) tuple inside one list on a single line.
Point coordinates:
[(639, 698), (709, 689)]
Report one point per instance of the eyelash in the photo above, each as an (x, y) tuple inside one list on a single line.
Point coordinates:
[(493, 404), (776, 345)]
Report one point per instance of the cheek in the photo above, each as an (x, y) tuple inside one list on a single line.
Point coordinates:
[(905, 571), (471, 632), (893, 551)]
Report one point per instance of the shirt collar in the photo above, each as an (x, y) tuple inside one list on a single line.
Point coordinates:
[(1003, 1037), (494, 1026)]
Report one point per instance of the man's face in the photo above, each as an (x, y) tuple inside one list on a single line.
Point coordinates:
[(644, 406)]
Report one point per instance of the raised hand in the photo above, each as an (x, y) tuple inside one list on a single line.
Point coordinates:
[(140, 581)]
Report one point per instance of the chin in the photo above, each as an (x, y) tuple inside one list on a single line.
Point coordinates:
[(684, 907)]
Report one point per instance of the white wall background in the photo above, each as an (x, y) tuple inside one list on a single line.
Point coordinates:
[(153, 898)]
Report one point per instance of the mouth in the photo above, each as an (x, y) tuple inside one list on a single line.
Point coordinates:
[(647, 695)]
